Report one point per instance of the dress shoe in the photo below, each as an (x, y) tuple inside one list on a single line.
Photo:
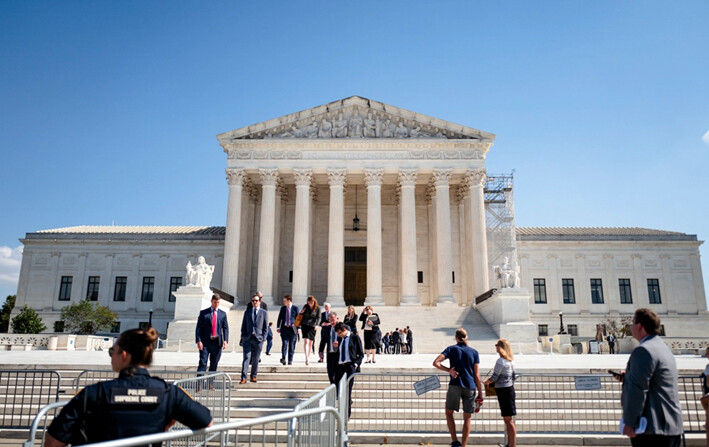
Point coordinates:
[(242, 381), (320, 361), (254, 379), (283, 361)]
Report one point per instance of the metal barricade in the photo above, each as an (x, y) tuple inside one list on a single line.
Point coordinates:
[(268, 430), (315, 431), (546, 403), (23, 393), (90, 376), (42, 418), (214, 392)]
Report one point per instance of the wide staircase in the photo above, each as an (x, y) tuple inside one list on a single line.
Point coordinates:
[(388, 410), (433, 327)]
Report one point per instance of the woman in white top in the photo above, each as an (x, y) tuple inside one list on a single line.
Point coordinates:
[(503, 377)]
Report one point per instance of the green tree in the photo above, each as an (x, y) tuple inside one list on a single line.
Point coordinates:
[(28, 321), (87, 318), (6, 311), (619, 326)]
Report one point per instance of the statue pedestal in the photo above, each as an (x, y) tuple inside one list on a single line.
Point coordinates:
[(507, 312), (189, 300)]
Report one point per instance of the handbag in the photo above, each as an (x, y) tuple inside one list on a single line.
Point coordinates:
[(490, 389), (298, 320)]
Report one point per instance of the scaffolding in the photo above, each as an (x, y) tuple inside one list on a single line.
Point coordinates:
[(500, 221)]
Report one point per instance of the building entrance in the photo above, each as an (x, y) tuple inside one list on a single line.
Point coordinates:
[(355, 275)]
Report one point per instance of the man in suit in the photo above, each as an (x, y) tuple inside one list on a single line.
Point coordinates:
[(333, 354), (611, 343), (650, 387), (350, 357), (409, 340), (285, 327), (211, 335), (325, 332), (254, 328)]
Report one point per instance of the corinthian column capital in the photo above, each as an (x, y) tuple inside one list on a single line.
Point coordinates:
[(235, 176), (407, 177), (475, 177), (373, 177), (268, 176), (337, 177), (442, 177), (303, 177)]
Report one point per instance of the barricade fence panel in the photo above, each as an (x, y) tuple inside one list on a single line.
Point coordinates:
[(271, 431), (546, 403), (24, 393), (318, 429)]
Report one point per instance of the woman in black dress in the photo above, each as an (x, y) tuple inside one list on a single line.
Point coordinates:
[(370, 325), (308, 325), (351, 319)]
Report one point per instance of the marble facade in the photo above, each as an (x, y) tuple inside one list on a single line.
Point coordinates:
[(417, 185)]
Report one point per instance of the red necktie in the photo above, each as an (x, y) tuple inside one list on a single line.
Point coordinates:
[(214, 323)]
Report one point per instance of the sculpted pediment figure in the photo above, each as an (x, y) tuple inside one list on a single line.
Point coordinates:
[(356, 117)]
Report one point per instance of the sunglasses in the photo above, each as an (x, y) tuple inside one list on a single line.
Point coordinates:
[(254, 301)]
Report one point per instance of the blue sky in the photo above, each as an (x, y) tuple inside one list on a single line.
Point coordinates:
[(109, 110)]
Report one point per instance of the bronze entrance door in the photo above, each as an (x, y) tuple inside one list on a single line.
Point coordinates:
[(355, 275)]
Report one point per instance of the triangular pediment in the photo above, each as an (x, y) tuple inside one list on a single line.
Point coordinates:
[(352, 118)]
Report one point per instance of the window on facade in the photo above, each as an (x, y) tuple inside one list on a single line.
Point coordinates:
[(92, 288), (653, 291), (540, 291), (453, 277), (148, 288), (59, 326), (662, 330), (596, 291), (116, 327), (119, 293), (420, 277), (175, 283), (143, 325), (573, 329), (626, 297), (543, 330), (65, 288), (567, 289)]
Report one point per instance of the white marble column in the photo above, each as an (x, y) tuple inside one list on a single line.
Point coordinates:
[(443, 236), (230, 275), (269, 177), (373, 179), (301, 234), (477, 242), (409, 276), (336, 239)]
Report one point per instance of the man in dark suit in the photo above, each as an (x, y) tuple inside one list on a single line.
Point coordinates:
[(333, 354), (211, 335), (285, 327), (650, 389), (325, 332), (350, 357), (409, 340), (254, 328)]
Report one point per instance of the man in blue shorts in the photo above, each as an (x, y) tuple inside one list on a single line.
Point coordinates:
[(465, 380)]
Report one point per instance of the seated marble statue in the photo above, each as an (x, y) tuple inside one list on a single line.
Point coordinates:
[(311, 131), (199, 275), (355, 126), (340, 127), (370, 127), (401, 131), (325, 129), (503, 272)]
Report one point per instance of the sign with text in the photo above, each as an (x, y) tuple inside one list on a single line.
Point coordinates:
[(587, 383), (426, 385)]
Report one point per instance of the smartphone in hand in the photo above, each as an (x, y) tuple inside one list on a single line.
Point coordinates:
[(616, 374)]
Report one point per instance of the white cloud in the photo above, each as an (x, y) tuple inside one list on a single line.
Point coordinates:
[(10, 259), (706, 137)]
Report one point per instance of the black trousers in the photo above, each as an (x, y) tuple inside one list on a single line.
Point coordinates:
[(332, 359), (656, 441), (349, 369)]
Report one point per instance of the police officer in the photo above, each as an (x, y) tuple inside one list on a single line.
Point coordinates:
[(134, 404)]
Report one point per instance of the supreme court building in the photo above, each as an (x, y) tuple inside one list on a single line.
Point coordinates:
[(357, 202)]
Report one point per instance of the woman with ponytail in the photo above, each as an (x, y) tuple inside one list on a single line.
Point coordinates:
[(133, 404)]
